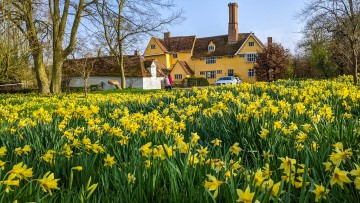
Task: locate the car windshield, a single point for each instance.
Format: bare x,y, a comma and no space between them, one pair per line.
225,78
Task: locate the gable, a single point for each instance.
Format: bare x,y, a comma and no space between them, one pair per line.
246,48
154,47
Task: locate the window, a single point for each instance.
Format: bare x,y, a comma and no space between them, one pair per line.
230,57
219,72
231,72
251,44
211,48
210,60
211,74
242,55
153,46
251,73
175,55
178,76
202,72
250,57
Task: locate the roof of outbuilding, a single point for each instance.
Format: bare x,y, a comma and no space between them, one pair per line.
185,67
134,66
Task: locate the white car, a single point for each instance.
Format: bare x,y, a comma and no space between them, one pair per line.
226,80
238,80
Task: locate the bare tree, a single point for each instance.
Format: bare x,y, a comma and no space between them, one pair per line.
14,56
124,20
339,18
59,17
26,16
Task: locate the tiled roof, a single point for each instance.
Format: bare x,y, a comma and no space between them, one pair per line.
178,44
186,67
222,47
134,66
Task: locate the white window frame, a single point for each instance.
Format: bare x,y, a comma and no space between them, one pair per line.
211,74
211,48
230,72
218,71
250,57
211,60
251,72
153,46
251,44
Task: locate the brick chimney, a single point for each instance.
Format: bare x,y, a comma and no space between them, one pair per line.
233,23
166,35
136,53
269,41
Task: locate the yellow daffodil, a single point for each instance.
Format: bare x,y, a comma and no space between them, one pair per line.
264,132
287,164
235,149
339,177
3,151
21,171
216,142
320,192
109,160
131,178
10,182
2,165
145,149
213,184
356,172
277,125
203,151
357,183
246,197
48,182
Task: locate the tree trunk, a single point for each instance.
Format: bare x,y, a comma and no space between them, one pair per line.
355,62
56,74
41,76
121,66
86,89
355,69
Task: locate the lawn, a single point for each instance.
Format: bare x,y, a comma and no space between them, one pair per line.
287,141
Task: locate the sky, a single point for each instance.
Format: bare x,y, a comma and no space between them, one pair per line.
275,18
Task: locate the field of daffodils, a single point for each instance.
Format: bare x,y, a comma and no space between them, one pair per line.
288,141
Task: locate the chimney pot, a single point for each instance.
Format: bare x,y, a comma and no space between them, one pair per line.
136,53
166,35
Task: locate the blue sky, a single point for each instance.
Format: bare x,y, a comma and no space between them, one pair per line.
265,18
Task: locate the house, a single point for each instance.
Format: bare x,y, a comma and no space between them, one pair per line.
139,73
210,57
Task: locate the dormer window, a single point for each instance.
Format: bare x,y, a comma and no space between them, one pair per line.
152,46
211,48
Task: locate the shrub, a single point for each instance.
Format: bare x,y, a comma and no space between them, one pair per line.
194,81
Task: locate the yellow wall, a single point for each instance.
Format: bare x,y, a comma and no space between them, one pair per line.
181,56
238,64
177,70
164,59
148,51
